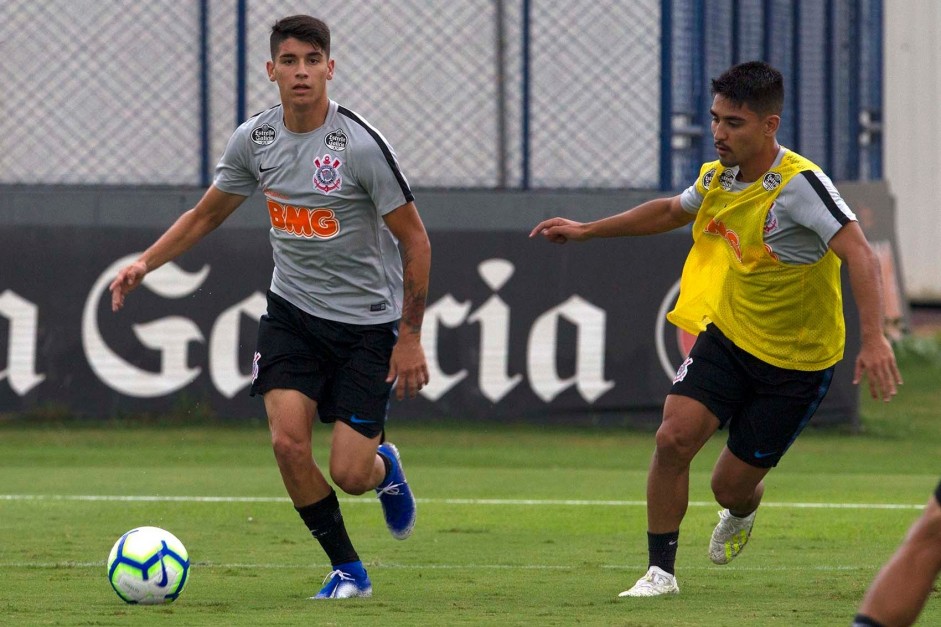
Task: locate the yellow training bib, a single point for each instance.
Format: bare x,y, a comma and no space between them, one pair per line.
790,316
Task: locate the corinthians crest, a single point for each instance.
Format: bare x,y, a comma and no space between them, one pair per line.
771,181
771,220
327,173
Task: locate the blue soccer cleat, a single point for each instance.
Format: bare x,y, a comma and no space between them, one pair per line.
346,581
398,503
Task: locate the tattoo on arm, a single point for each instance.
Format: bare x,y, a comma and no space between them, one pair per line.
415,294
413,307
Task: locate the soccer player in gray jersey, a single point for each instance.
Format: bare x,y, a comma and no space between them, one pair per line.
347,297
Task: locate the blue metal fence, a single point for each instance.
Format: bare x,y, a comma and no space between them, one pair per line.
830,54
829,51
205,157
481,93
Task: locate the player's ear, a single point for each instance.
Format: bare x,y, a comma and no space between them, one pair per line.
772,122
269,66
330,67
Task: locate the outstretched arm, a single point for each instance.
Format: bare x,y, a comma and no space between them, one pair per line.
408,363
212,209
876,358
654,216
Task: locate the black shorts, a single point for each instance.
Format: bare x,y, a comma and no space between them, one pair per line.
765,407
937,493
343,367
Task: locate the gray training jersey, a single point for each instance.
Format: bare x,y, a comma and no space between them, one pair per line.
805,215
326,192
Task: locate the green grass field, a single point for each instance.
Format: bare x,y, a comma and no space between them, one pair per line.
517,525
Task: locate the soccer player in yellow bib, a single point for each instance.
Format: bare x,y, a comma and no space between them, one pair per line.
761,290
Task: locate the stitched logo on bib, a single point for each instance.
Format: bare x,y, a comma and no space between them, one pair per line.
726,178
707,178
771,181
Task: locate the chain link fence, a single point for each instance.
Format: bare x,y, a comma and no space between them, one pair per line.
99,92
426,74
472,94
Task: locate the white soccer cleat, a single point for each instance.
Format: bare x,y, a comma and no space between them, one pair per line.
730,536
657,582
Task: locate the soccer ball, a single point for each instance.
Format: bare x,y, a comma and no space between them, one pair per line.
148,565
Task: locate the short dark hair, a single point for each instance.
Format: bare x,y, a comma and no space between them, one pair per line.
304,28
755,84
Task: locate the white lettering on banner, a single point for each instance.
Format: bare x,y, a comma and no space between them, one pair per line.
21,347
170,335
446,311
590,322
494,318
224,345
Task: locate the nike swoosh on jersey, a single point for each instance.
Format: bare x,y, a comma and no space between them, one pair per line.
264,169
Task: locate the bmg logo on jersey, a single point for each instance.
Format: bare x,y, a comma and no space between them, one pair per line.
320,223
327,173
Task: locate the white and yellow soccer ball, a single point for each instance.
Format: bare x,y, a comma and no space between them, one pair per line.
148,565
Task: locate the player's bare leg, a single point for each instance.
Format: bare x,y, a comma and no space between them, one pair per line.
290,418
738,487
354,465
359,464
687,425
